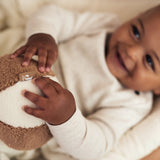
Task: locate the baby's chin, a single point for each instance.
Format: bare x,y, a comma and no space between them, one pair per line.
139,87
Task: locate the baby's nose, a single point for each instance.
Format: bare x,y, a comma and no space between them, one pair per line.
135,52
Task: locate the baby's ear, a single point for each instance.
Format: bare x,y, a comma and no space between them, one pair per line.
157,91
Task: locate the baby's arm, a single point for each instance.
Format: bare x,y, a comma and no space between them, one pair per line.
63,24
51,24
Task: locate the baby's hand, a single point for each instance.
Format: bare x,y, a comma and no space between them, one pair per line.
55,107
42,45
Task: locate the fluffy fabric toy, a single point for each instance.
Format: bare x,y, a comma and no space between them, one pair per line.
19,130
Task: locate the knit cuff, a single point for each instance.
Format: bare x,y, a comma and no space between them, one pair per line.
71,130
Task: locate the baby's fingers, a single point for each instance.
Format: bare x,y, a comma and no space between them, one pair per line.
29,53
18,52
36,99
42,57
51,58
34,111
46,87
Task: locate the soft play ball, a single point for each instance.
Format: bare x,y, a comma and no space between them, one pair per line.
18,130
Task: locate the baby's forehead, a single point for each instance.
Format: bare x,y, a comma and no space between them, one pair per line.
155,11
151,18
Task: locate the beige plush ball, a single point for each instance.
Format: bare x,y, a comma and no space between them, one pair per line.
18,130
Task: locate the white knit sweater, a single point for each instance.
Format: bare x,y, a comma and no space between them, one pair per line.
105,109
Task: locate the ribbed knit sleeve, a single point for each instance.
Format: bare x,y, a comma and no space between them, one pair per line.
82,138
63,24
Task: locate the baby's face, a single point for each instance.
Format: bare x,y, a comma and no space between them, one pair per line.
134,52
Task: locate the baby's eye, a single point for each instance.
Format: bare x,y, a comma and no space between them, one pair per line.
135,32
150,61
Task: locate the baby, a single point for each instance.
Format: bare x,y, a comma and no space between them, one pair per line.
107,76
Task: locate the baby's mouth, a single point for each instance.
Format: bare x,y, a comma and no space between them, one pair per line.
121,61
